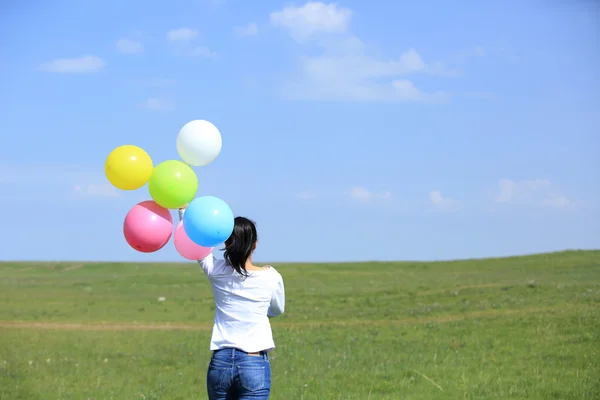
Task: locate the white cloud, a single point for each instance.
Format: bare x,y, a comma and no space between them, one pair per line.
364,195
202,51
440,201
157,104
346,68
405,90
355,76
246,30
183,40
536,192
82,65
96,190
312,18
128,46
182,34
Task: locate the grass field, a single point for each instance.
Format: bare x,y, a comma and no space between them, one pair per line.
516,328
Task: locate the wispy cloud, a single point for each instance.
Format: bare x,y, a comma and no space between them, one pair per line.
157,104
246,30
535,192
440,202
363,195
182,34
347,69
202,51
311,19
184,41
81,65
55,181
128,46
95,190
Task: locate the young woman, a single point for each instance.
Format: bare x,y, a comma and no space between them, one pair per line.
245,296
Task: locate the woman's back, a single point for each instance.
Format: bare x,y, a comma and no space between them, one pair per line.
244,305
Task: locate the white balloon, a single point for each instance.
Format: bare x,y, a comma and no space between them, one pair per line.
199,143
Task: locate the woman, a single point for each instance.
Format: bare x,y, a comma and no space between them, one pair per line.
245,296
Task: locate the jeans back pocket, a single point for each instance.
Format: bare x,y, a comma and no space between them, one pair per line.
216,377
253,378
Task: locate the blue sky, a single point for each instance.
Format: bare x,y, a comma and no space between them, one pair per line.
351,131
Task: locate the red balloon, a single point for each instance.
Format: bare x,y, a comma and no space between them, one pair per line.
148,227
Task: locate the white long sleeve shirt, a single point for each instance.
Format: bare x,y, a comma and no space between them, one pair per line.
243,305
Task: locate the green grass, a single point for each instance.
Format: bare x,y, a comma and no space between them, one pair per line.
515,328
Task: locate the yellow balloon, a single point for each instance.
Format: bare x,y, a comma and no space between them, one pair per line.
128,167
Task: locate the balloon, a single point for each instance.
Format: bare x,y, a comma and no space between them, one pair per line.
186,248
208,221
128,167
148,227
199,143
173,184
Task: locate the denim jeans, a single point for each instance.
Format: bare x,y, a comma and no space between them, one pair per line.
237,375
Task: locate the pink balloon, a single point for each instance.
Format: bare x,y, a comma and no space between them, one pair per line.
186,247
148,227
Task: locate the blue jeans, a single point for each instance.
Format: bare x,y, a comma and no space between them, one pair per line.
237,375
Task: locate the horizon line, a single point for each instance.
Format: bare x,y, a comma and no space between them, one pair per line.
315,262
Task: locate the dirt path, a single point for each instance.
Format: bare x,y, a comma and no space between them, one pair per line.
73,267
115,326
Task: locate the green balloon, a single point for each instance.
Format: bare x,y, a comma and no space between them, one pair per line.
173,184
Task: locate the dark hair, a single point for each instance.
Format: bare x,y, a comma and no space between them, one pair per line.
240,244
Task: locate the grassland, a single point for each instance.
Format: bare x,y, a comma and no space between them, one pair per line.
516,328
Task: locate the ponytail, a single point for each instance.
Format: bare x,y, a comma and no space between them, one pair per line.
240,245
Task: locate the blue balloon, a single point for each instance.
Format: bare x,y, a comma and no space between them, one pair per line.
208,221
